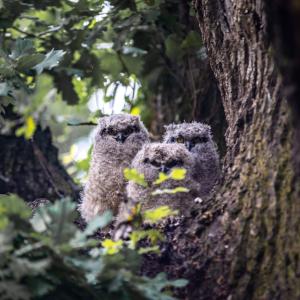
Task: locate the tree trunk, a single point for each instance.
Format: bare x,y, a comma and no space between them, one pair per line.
30,168
244,243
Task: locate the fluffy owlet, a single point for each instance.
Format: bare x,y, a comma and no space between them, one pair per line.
197,139
118,139
150,161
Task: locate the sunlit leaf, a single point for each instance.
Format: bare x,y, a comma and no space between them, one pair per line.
153,249
178,174
155,215
112,247
135,111
135,176
179,189
28,129
162,177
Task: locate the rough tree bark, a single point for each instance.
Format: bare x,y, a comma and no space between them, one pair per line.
30,168
244,243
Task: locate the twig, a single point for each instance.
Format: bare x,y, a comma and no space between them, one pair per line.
28,34
83,124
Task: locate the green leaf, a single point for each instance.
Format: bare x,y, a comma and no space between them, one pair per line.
178,189
27,62
145,250
98,222
172,50
179,283
133,64
111,63
151,234
162,177
133,175
13,205
162,212
28,129
51,60
57,220
178,174
7,71
192,41
112,247
21,48
4,89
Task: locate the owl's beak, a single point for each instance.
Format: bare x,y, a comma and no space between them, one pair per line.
120,137
189,145
164,169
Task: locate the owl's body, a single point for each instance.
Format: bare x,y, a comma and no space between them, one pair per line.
197,138
118,139
150,161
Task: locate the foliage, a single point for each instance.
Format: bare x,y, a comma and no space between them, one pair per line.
176,174
128,50
47,257
134,175
155,215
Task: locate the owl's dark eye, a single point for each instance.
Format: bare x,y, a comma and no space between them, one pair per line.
174,163
146,161
129,130
180,139
155,163
110,131
135,128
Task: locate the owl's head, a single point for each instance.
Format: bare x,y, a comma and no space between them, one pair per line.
195,136
121,131
157,157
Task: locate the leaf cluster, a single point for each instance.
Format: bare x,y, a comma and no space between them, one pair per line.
134,44
47,257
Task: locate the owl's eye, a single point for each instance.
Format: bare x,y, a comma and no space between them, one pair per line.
146,161
180,139
155,163
110,131
135,128
174,163
129,130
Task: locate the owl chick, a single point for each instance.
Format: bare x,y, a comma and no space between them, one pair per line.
118,139
197,138
150,161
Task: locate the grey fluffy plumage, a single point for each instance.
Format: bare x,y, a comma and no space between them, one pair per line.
150,161
112,152
197,138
